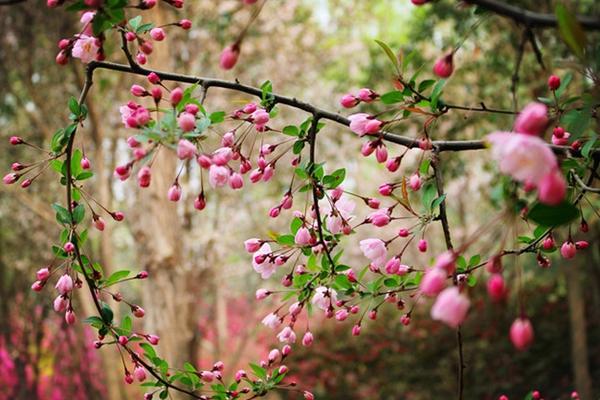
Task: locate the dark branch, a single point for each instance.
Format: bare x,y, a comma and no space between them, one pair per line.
439,145
530,18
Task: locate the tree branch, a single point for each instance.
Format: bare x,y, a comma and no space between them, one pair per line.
530,18
440,145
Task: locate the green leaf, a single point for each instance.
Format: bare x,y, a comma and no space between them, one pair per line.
286,240
74,106
437,202
258,371
564,83
295,225
116,276
78,213
390,54
291,130
553,215
424,167
570,30
62,215
426,84
107,314
587,147
335,179
217,117
135,22
298,146
392,97
127,324
84,175
435,94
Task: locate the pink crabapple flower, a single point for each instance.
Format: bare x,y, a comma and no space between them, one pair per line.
271,320
324,297
263,264
450,307
218,176
433,282
444,66
532,119
525,158
568,250
552,188
364,124
187,121
303,237
86,48
64,284
344,208
287,335
521,333
229,57
186,150
375,250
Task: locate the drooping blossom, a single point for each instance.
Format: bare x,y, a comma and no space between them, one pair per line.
266,267
186,150
324,297
218,176
287,335
375,250
450,307
521,333
344,208
444,66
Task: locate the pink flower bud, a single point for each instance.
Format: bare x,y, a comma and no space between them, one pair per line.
142,275
139,373
433,282
186,150
174,193
138,311
153,78
176,96
341,315
37,286
568,249
15,140
496,288
85,163
373,126
141,58
69,247
392,266
355,331
548,243
274,355
118,216
422,246
415,182
262,294
229,57
60,303
553,82
144,176
405,320
552,188
70,317
444,66
367,95
157,34
348,101
11,178
521,333
381,153
153,339
239,375
187,122
385,189
393,164
138,91
123,340
302,237
42,274
185,24
532,120
308,395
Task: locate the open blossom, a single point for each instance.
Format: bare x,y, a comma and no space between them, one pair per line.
86,48
218,176
450,307
433,282
271,320
552,188
524,157
134,115
324,297
343,212
287,335
375,250
265,267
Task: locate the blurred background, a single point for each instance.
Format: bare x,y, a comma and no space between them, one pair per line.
200,298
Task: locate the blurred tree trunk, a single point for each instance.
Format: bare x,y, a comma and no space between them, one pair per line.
579,347
169,293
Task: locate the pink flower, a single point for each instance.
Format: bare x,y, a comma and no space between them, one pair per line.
262,294
85,48
222,156
60,303
236,181
272,321
218,176
157,34
64,284
229,57
444,66
525,158
496,288
568,249
307,339
532,119
186,150
70,317
139,373
446,261
260,117
11,178
375,250
348,101
521,333
363,124
367,95
344,208
450,307
176,96
42,274
433,282
422,246
144,176
553,82
252,245
324,297
380,218
287,335
263,264
303,237
187,122
174,193
415,182
552,188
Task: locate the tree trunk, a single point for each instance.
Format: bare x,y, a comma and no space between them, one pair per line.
579,347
